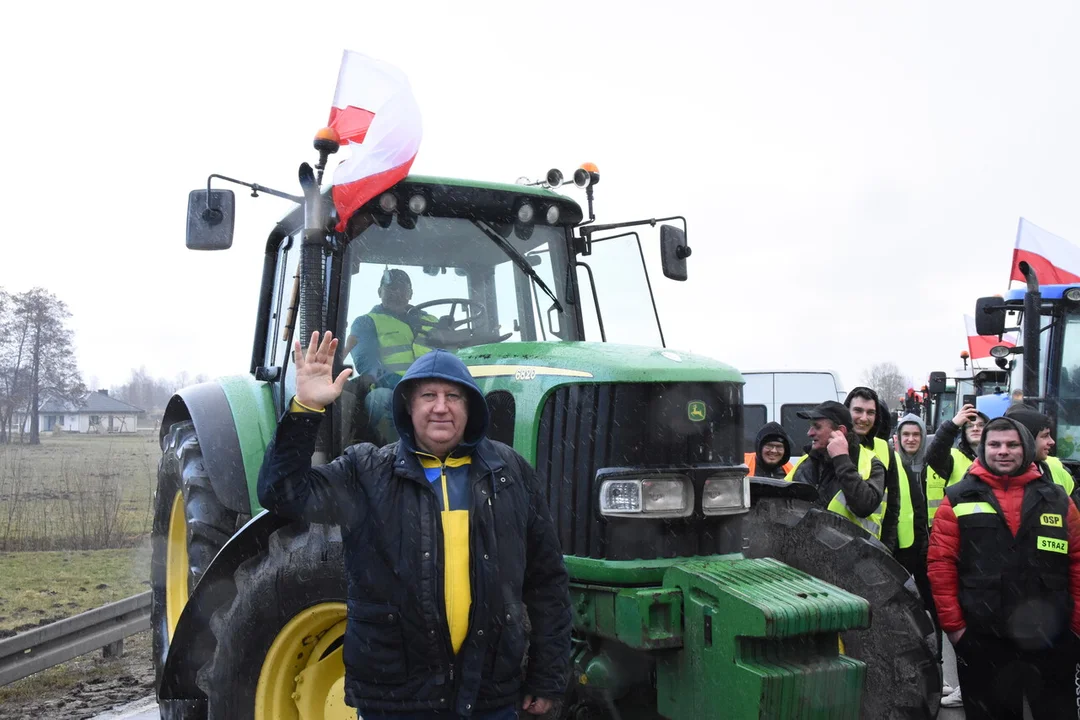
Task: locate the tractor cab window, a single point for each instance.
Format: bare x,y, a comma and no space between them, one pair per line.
1068,410
446,283
617,273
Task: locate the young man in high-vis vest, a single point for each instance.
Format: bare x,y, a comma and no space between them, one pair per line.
950,454
869,415
849,479
1004,565
1041,428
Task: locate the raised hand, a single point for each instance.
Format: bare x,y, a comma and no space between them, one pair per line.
315,386
966,414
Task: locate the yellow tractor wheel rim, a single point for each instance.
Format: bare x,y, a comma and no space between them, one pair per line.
176,564
301,679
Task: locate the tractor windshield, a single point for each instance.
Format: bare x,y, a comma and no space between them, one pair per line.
1068,410
446,283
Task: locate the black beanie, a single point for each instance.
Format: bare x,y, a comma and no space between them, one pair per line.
1029,417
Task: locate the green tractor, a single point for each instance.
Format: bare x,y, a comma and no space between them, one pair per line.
697,592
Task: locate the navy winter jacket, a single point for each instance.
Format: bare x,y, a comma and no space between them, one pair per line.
397,649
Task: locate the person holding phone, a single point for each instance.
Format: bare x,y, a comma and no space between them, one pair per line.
950,453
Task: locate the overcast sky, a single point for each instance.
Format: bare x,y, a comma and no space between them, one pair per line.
852,174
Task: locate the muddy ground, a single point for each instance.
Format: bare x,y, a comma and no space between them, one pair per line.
84,687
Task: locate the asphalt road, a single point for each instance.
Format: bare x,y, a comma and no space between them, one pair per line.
147,709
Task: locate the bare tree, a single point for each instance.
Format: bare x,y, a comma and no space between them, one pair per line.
45,352
890,384
14,336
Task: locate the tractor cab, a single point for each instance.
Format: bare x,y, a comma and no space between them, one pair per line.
1046,364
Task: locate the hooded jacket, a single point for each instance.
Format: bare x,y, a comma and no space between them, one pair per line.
772,431
915,467
398,650
948,435
1009,493
870,441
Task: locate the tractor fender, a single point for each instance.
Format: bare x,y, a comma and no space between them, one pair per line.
193,642
761,487
234,419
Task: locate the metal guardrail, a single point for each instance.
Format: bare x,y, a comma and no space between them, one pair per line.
35,650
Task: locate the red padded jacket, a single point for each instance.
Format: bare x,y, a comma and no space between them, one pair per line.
944,553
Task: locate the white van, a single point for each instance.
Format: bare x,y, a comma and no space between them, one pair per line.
776,396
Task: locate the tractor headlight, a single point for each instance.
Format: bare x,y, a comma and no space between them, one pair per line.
552,216
658,496
726,494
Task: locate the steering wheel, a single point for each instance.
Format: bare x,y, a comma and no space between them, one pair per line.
474,312
446,333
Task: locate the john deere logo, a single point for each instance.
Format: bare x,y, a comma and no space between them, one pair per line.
695,410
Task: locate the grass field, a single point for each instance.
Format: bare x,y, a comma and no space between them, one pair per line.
80,492
37,587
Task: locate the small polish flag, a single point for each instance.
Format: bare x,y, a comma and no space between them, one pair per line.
979,345
376,116
1056,261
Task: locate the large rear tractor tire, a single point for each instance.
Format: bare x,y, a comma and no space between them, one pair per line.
279,643
903,678
190,526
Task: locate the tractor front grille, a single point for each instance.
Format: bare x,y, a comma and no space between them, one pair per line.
584,428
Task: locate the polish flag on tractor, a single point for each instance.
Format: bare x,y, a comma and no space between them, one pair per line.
979,345
376,116
1056,261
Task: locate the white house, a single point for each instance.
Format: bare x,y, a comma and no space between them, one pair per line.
94,413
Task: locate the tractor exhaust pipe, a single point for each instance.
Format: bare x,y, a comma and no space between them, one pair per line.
1032,334
312,258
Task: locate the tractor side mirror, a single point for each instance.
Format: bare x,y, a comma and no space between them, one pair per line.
673,252
936,385
210,219
989,316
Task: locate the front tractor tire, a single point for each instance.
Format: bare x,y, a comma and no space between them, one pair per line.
903,678
279,643
190,526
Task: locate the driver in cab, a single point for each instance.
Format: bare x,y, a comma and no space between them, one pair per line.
386,341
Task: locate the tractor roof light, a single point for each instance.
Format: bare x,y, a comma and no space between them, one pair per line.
417,204
525,213
964,355
1073,294
552,214
1001,351
554,178
327,140
388,202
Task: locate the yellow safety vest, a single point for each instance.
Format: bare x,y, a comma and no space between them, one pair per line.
882,451
905,528
1061,475
838,504
935,484
398,348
